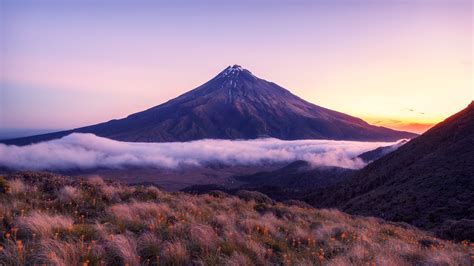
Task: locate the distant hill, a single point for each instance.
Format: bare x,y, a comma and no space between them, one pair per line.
297,176
233,105
428,182
375,154
290,182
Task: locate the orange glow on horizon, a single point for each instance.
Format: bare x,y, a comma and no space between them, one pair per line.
404,66
410,126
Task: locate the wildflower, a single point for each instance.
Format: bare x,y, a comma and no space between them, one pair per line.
14,231
343,235
321,256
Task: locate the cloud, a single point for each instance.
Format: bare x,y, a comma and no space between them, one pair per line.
413,111
87,151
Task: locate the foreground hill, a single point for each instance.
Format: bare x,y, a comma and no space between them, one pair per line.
428,182
54,220
233,105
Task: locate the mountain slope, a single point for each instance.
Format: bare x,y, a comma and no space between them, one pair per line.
379,152
297,176
234,105
428,182
290,182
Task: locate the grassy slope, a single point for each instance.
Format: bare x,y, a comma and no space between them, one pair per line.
59,220
428,182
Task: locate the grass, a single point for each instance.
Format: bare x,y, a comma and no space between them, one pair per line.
54,220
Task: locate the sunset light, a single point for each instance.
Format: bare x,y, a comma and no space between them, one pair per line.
236,132
374,61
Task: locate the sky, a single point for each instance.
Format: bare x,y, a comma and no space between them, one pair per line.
396,63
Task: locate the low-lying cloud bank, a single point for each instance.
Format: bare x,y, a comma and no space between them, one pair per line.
87,151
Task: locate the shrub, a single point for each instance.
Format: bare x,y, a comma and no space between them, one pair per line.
122,249
238,259
4,185
69,194
175,252
56,252
149,246
17,186
255,196
203,235
44,225
96,181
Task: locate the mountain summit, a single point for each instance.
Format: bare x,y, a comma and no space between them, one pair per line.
233,105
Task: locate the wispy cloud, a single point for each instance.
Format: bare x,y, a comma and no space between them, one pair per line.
411,110
87,151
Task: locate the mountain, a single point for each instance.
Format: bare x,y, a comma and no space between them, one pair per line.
233,105
428,182
290,182
379,152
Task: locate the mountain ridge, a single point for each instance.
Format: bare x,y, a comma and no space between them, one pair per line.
428,182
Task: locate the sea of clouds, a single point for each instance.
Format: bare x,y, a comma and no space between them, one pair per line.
87,151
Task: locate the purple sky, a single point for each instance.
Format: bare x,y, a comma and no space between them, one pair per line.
71,63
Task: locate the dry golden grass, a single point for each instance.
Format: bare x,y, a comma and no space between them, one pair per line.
65,221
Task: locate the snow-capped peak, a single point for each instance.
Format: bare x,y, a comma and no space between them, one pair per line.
236,68
234,71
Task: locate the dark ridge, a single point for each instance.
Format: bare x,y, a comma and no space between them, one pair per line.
428,182
379,152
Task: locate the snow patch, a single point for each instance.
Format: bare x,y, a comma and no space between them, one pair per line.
232,71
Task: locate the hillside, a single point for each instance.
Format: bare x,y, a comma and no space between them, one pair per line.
233,105
297,176
428,182
379,152
50,219
290,182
